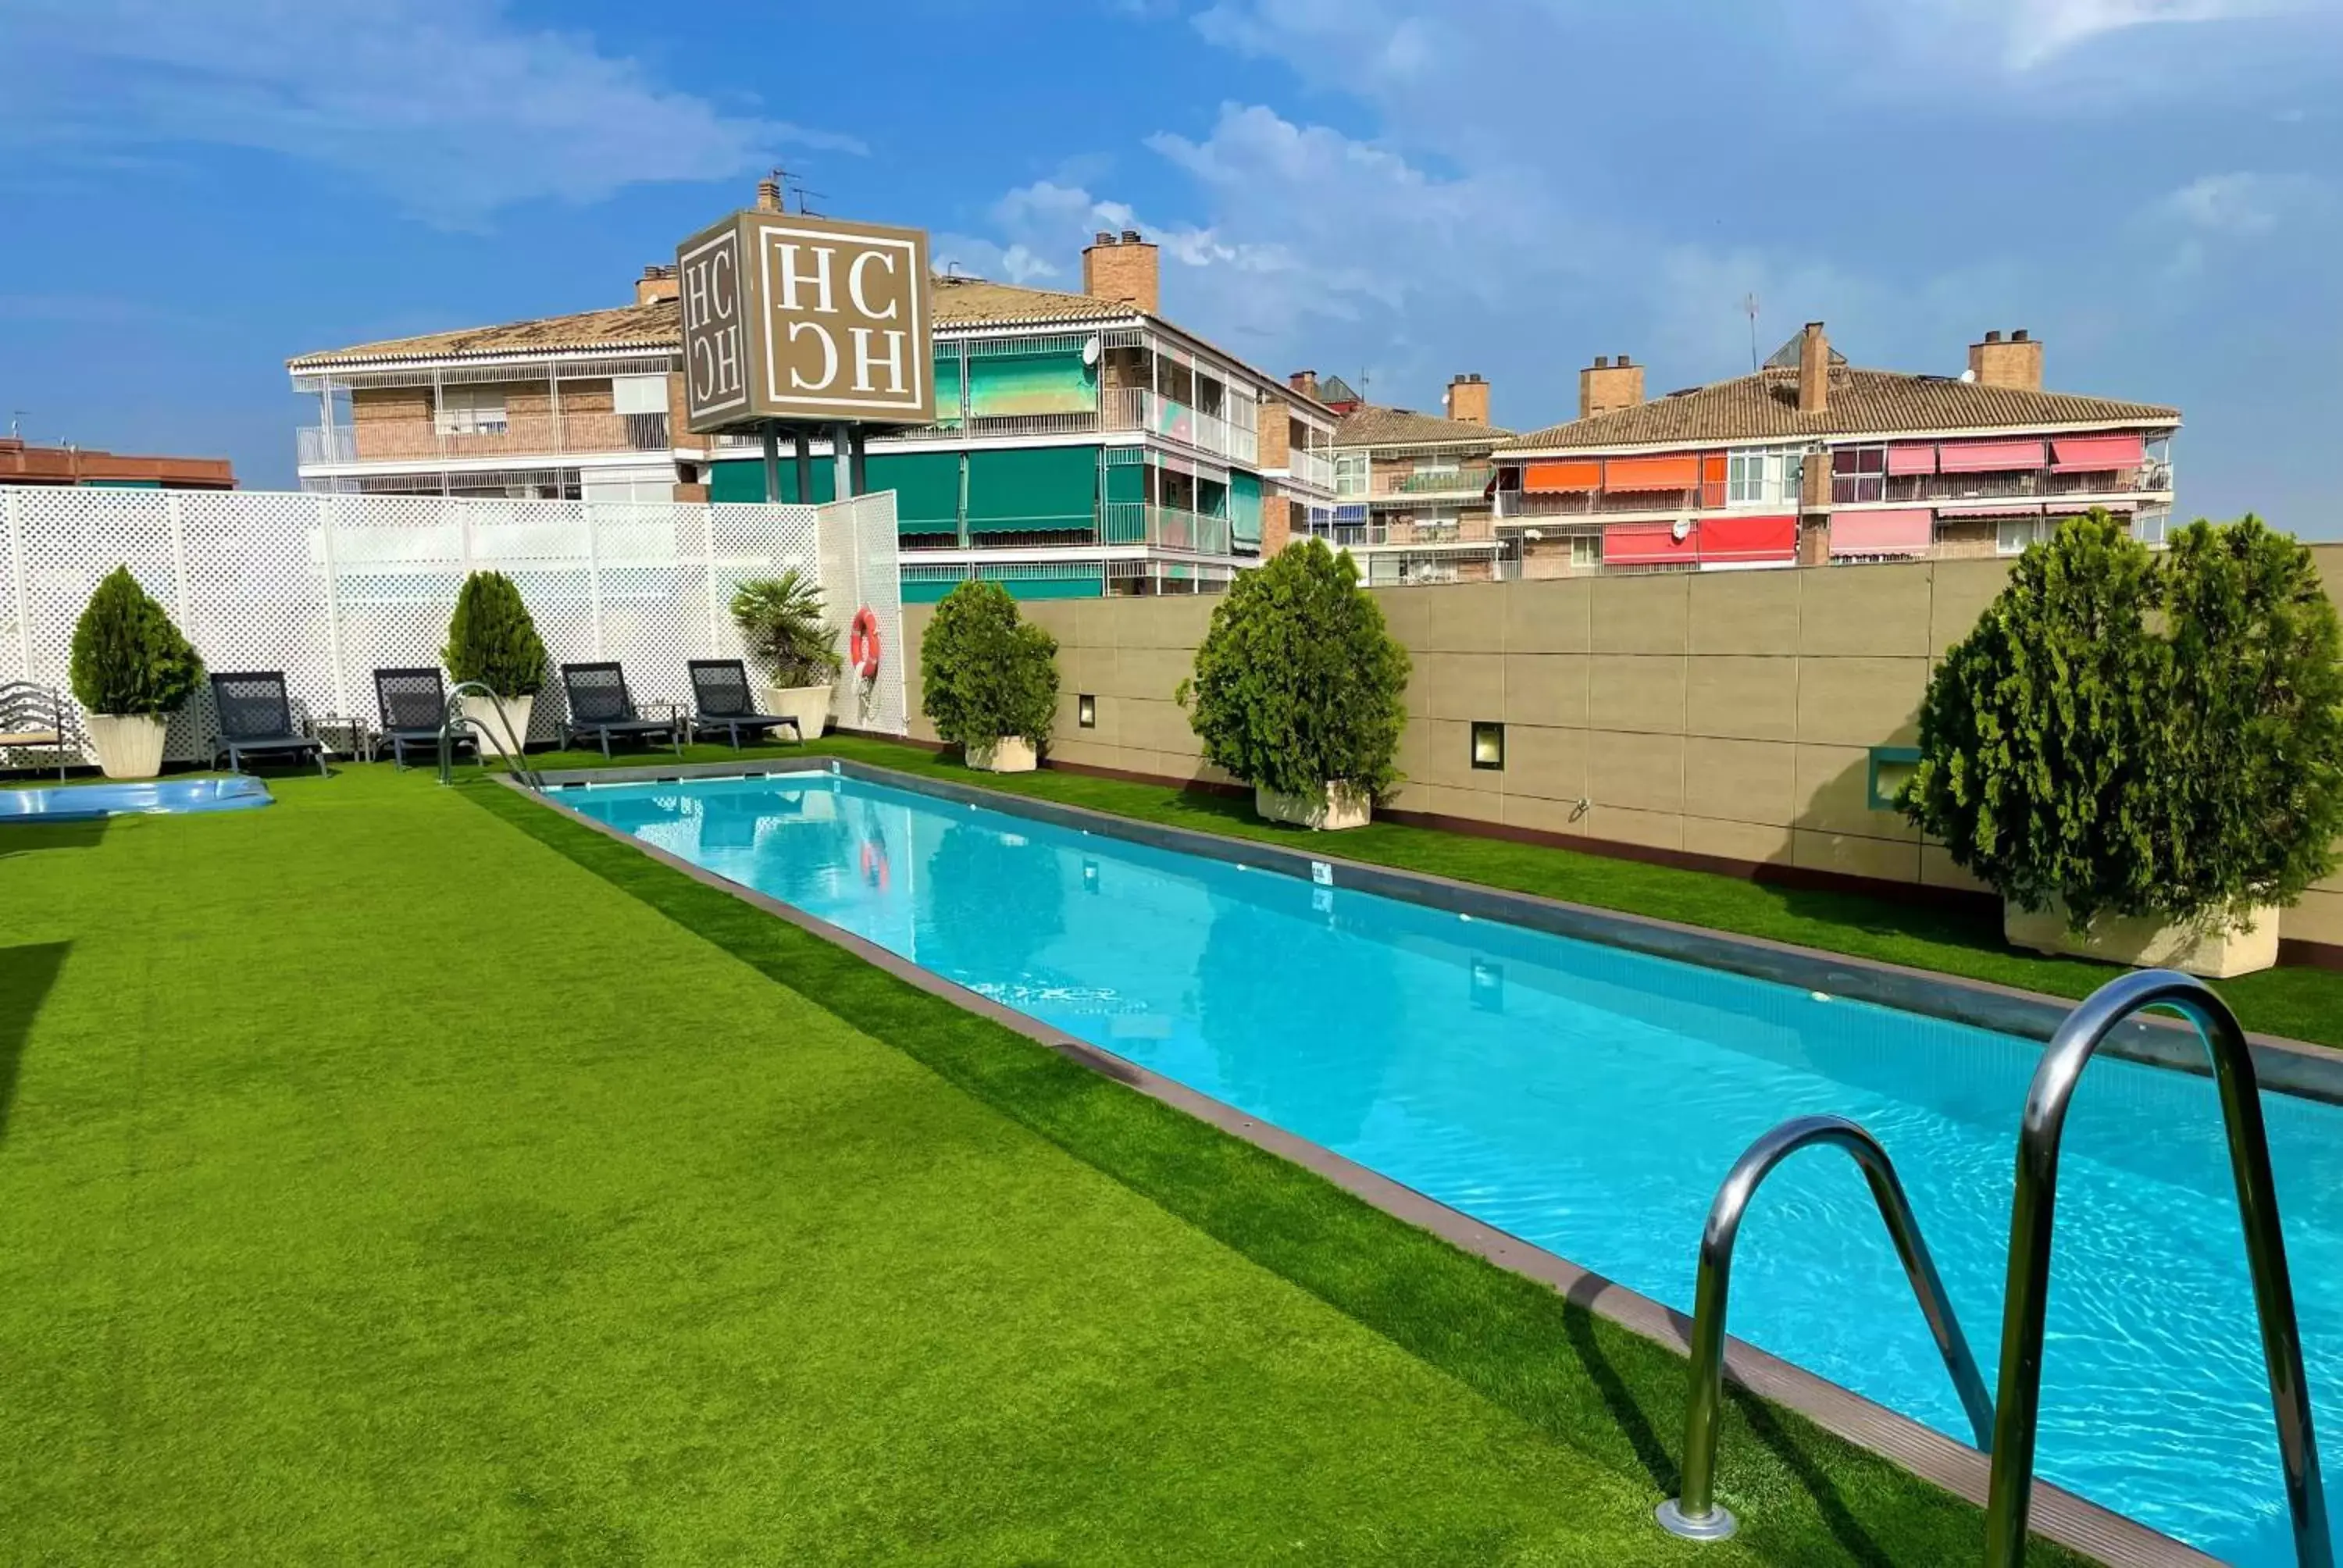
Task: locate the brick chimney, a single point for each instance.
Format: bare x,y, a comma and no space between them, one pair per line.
656,284
1125,267
1468,399
2015,362
1305,382
1607,386
768,195
1813,370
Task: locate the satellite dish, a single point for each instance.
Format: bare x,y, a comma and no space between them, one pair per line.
1680,529
1532,533
1970,375
1090,351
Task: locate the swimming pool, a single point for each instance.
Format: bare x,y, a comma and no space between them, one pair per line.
83,802
1589,1098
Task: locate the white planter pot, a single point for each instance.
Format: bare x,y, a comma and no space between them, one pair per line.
1330,810
1010,754
808,705
2143,942
509,729
128,745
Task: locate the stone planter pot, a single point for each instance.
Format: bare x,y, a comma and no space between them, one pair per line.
1332,810
1010,754
2143,942
128,745
510,728
808,705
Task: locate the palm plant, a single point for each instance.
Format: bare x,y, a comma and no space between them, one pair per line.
781,619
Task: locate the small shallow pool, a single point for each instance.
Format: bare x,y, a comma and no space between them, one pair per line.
83,802
1589,1100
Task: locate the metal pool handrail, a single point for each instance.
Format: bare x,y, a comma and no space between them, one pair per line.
1695,1514
2028,1300
522,773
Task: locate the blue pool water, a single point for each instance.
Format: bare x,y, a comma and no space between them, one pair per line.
1589,1100
80,802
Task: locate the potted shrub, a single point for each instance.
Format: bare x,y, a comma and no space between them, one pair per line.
791,645
2140,755
132,669
491,639
989,680
1301,690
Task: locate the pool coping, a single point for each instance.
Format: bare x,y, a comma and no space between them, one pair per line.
2057,1515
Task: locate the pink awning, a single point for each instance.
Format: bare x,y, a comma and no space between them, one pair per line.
1988,456
1906,532
1646,544
1920,458
2097,454
1726,538
1993,509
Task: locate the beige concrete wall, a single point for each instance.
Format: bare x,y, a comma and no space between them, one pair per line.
1725,714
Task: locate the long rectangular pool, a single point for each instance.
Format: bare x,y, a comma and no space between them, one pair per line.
1588,1100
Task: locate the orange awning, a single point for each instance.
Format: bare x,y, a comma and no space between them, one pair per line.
1653,473
1580,475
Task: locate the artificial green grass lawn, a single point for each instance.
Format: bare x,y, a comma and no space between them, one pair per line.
401,1173
2297,1001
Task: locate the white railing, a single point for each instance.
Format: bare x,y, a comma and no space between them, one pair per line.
1170,528
513,436
329,588
1314,470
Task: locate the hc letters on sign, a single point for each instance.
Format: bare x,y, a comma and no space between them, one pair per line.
790,318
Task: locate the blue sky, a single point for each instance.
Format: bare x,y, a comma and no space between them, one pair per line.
1397,188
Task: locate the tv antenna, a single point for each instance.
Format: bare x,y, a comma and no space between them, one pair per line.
1749,305
17,423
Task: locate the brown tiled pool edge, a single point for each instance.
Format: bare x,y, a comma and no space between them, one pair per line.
2057,1515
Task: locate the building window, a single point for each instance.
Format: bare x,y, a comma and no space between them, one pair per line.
1585,551
1441,526
2014,534
470,408
2148,527
1489,746
1435,468
1350,473
1859,473
1086,711
1762,476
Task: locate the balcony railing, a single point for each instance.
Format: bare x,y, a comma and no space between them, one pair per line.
1170,528
2038,482
1466,479
1314,470
480,435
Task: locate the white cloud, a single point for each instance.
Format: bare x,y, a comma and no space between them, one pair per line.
2241,206
450,108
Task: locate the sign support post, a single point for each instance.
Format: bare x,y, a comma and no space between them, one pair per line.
771,432
803,446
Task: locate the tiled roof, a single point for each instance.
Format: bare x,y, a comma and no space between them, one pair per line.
953,301
1372,425
1862,402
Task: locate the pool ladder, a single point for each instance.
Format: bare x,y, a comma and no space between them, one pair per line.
2006,1426
514,756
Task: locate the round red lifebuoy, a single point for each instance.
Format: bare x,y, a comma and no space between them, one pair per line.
862,643
874,865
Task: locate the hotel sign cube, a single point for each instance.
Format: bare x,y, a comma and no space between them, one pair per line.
804,320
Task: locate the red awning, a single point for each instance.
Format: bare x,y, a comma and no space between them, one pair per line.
1653,473
1731,539
1993,509
1580,475
2097,454
1919,458
1988,456
1906,532
1646,544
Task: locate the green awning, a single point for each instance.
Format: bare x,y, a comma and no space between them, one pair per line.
1005,384
948,363
1126,482
926,486
745,481
1032,489
1244,508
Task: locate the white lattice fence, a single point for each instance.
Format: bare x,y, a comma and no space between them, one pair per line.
329,588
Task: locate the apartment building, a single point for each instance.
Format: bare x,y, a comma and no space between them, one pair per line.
24,464
1412,492
1083,445
1812,458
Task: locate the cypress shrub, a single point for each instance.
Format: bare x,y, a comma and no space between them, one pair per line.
129,657
1299,684
2132,735
984,673
491,638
